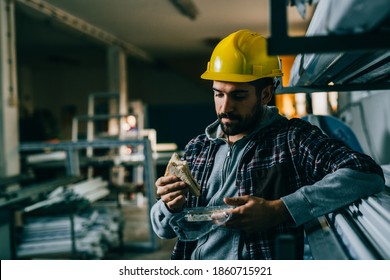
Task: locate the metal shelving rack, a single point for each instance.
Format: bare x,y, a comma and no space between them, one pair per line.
72,165
280,43
13,201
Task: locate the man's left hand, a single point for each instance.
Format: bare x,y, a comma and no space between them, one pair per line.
252,214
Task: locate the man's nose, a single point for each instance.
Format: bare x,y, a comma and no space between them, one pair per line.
227,105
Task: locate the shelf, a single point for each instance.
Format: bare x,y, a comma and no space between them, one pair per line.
346,47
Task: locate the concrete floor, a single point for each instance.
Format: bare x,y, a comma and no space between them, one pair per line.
136,239
163,253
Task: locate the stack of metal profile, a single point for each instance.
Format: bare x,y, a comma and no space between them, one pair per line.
86,233
386,172
360,231
51,236
364,228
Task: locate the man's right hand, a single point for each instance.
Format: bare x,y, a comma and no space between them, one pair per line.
172,192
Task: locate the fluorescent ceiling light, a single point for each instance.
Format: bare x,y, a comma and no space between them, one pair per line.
186,7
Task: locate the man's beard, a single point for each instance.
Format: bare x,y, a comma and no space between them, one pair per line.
241,125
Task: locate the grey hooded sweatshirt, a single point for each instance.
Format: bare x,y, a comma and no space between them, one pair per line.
226,243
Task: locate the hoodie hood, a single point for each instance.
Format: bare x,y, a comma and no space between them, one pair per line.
269,116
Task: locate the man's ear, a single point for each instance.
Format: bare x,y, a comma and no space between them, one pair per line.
266,94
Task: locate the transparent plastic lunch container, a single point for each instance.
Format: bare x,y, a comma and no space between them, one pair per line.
194,223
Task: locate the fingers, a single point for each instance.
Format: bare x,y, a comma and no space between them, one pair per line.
171,196
237,211
251,214
220,218
165,180
168,184
176,204
236,201
172,192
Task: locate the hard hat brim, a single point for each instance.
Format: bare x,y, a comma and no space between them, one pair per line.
228,77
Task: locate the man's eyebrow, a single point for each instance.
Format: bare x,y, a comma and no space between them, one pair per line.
234,91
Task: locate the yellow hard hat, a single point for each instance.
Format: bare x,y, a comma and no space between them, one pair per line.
242,57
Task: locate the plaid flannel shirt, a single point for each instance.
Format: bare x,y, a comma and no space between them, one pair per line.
277,161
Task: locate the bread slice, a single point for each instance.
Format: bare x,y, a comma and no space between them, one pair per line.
180,169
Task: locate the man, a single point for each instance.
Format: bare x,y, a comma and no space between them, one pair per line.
277,173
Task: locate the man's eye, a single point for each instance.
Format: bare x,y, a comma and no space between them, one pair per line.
239,97
218,94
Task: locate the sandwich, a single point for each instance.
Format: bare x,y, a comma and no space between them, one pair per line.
180,169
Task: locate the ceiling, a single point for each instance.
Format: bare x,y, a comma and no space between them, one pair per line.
156,26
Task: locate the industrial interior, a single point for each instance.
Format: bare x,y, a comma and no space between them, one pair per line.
97,95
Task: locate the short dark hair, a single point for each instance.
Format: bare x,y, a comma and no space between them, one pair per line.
260,84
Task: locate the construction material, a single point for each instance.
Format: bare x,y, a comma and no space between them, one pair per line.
61,225
96,231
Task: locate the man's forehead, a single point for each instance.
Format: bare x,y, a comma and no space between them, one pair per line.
231,86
